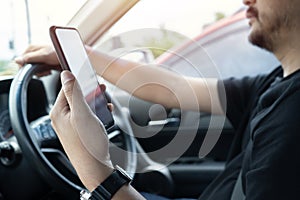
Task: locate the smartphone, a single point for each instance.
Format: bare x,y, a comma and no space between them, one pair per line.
73,56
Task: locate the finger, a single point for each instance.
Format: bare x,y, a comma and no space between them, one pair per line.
67,81
44,73
33,57
103,87
45,55
20,61
110,107
61,106
103,90
45,69
31,48
73,93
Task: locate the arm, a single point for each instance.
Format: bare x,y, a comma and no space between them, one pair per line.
148,82
90,159
158,85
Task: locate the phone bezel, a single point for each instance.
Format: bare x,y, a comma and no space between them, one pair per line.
64,64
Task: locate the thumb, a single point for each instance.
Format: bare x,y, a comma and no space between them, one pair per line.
68,85
73,94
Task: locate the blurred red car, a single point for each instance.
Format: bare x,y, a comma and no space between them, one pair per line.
225,43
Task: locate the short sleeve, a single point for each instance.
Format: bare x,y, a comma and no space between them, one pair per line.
236,95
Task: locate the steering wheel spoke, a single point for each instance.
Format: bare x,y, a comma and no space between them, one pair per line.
113,134
60,156
44,133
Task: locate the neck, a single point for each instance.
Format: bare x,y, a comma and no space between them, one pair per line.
289,55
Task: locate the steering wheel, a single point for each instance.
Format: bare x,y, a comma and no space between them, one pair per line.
40,145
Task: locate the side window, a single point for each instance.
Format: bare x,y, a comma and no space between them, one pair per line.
224,53
12,42
152,27
235,56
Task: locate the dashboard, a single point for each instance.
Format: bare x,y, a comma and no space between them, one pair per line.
37,105
15,175
5,125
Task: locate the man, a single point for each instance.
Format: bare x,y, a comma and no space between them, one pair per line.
265,110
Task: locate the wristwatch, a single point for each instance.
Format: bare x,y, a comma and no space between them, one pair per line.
107,189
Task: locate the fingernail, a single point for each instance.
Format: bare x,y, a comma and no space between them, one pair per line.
66,76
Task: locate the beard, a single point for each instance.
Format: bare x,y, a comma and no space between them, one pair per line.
261,39
267,29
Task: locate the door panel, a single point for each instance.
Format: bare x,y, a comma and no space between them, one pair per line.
190,173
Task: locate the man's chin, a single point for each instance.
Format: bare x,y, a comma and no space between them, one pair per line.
259,39
252,37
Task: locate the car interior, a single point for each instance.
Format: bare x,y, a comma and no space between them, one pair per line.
164,149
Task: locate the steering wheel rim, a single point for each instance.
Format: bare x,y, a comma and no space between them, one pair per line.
30,147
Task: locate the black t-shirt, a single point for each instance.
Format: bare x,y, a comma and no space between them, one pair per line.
265,112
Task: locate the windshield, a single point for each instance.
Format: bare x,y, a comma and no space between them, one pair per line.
27,22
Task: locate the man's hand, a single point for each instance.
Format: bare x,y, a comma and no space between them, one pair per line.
38,54
82,135
41,54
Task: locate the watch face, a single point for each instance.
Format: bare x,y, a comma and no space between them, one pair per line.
123,172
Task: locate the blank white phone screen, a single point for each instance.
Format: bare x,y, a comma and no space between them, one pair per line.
79,63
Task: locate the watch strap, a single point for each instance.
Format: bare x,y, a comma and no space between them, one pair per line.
111,185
